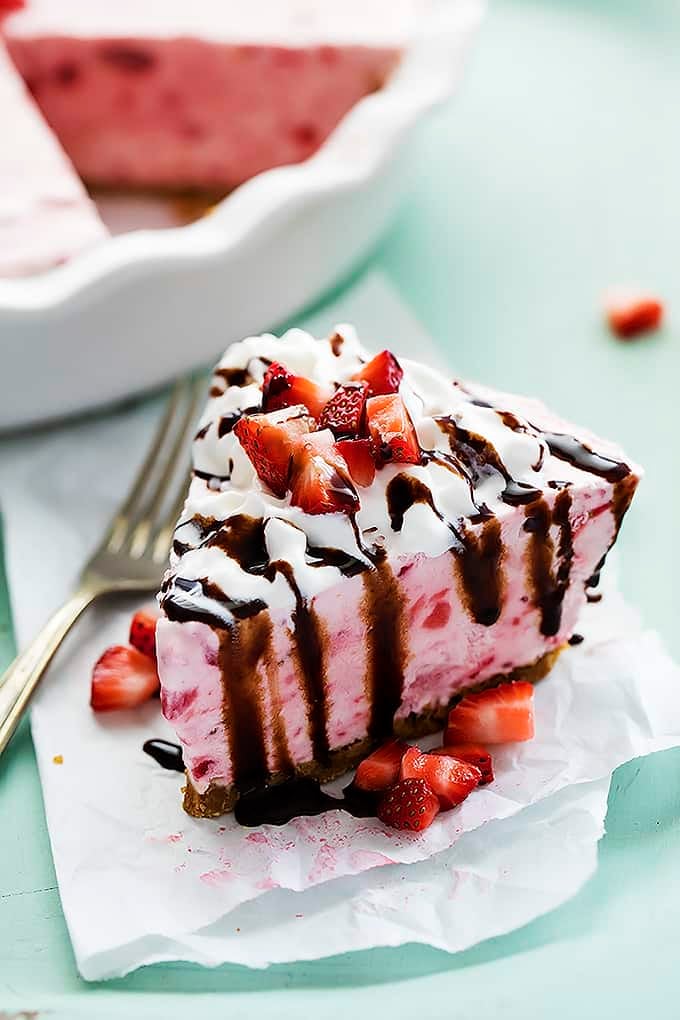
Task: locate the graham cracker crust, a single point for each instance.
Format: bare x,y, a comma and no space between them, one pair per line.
219,800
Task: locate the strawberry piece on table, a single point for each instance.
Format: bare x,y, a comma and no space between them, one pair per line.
499,715
344,412
391,430
473,754
358,455
383,373
320,479
143,632
450,779
409,804
269,441
122,678
631,313
280,388
381,769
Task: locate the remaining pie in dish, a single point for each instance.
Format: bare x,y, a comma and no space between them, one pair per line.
177,95
363,541
45,213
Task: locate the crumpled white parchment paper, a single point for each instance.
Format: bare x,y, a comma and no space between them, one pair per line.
141,882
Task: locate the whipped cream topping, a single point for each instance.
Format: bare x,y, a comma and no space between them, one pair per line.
515,453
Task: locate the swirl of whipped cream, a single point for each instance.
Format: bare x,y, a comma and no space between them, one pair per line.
226,483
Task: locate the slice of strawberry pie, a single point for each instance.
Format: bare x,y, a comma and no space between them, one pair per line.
363,542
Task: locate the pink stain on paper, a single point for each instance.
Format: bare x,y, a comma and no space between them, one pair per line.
362,860
265,884
216,877
324,864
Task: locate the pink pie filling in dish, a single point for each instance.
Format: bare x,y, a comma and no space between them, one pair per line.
202,95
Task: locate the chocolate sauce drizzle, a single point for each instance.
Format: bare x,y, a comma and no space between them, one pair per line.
404,491
300,796
309,637
242,650
167,755
580,456
548,585
478,458
234,376
480,570
187,599
386,651
225,425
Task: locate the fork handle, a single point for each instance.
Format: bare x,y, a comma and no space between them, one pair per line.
21,679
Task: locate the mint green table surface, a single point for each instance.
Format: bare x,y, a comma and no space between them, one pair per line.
555,174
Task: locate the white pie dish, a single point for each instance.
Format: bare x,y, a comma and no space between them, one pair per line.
145,306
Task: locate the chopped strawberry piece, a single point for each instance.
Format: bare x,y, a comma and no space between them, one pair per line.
358,455
383,373
320,479
451,779
269,440
280,388
143,632
11,5
122,678
344,412
381,769
409,804
473,754
497,716
631,313
391,430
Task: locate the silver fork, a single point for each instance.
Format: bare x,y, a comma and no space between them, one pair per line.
131,556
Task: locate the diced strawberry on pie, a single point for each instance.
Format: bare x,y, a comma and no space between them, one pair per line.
383,373
280,388
122,678
344,412
451,779
358,455
630,313
320,479
381,769
269,440
143,632
391,430
499,715
409,804
473,754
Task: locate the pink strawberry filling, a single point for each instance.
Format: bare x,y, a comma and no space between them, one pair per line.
438,661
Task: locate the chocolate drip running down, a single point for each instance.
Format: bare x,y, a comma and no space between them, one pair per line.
479,566
242,538
404,491
386,648
244,650
549,585
478,558
310,640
